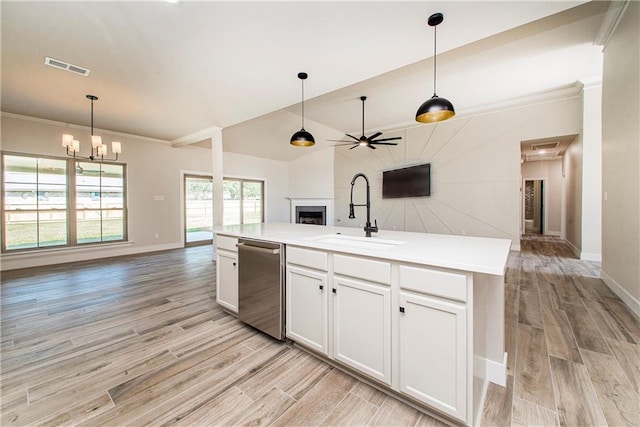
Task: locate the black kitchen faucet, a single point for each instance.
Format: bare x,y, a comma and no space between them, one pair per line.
368,228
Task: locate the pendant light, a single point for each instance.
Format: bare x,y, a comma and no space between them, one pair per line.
302,138
435,109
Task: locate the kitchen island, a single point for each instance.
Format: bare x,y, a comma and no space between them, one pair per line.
416,314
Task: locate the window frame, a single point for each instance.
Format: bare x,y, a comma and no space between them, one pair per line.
71,205
262,196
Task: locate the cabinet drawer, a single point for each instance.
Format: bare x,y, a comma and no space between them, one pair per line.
434,282
362,268
308,258
227,243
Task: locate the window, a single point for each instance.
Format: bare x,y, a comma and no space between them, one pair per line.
99,202
243,201
50,202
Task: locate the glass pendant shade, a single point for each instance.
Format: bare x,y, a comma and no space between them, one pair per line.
302,138
435,109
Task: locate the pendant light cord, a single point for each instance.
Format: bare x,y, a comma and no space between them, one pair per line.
435,31
92,119
302,81
363,116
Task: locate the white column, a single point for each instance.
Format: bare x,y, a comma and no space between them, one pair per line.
218,175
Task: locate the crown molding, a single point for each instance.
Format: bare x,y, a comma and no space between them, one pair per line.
79,127
610,21
565,92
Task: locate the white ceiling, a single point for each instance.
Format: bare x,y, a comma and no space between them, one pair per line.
170,71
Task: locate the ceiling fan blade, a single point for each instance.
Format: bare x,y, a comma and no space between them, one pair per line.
374,136
354,146
383,143
371,146
344,145
387,139
351,136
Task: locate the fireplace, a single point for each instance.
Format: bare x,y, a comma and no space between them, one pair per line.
312,211
311,215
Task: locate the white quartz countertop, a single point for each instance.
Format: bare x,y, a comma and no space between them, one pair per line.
474,254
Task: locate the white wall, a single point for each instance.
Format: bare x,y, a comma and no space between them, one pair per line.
551,172
311,176
621,159
274,173
591,249
153,169
572,166
475,171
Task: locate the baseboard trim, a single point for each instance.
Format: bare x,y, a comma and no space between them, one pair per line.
553,233
624,295
575,250
586,256
497,372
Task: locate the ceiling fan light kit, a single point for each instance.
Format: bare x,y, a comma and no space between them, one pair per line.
435,109
367,141
302,138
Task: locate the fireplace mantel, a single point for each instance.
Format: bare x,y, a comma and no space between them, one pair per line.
303,201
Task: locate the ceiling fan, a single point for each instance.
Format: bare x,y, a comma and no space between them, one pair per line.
367,141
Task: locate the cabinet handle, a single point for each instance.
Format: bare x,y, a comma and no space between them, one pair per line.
401,309
334,290
234,264
321,287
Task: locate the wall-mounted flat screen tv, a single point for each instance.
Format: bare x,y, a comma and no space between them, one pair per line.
412,181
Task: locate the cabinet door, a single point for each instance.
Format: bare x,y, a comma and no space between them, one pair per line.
227,280
433,352
307,308
362,327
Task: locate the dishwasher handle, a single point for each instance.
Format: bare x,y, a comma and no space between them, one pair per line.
244,246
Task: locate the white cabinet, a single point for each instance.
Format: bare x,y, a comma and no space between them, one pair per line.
307,318
401,325
362,327
433,351
307,289
227,273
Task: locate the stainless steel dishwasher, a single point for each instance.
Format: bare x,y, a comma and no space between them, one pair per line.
261,285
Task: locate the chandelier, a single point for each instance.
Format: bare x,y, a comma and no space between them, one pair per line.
98,149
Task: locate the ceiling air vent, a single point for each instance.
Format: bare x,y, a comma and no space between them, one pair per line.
545,146
549,155
61,65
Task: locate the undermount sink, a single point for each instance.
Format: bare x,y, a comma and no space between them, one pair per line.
357,242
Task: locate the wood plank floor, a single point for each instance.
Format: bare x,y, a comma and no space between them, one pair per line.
140,341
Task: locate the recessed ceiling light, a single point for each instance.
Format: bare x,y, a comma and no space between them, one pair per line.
173,1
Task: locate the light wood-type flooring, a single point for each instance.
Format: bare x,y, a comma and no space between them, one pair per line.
140,341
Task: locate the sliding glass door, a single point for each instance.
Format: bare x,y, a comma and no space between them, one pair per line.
198,210
243,201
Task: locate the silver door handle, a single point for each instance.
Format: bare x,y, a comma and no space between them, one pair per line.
244,246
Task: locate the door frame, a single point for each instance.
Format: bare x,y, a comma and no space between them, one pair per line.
545,200
183,206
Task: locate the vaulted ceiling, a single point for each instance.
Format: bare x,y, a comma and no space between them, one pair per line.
170,71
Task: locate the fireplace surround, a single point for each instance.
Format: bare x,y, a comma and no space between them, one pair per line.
312,211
